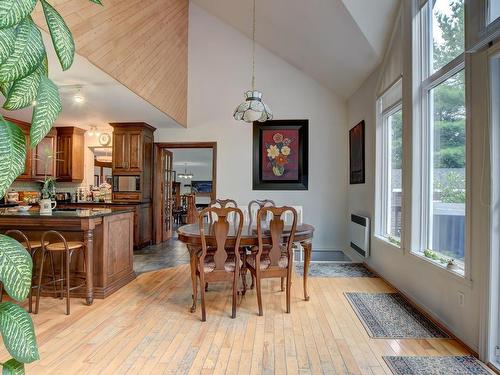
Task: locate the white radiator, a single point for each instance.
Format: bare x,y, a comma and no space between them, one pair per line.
359,229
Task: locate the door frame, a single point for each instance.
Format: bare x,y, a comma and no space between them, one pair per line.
158,177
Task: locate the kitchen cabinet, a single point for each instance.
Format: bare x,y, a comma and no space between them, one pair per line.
41,160
70,154
133,156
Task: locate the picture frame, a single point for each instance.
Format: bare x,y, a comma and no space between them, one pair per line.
357,154
280,155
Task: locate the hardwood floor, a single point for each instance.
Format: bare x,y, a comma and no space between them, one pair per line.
145,328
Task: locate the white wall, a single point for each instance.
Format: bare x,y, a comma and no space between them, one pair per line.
433,288
219,73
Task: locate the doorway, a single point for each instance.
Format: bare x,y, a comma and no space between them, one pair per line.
185,175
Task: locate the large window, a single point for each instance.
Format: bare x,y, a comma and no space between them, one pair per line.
493,10
443,134
389,168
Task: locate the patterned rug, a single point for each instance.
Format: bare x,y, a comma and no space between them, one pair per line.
335,270
389,315
460,365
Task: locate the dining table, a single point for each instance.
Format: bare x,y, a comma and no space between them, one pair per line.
190,235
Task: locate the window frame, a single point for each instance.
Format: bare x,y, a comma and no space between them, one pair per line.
384,169
425,81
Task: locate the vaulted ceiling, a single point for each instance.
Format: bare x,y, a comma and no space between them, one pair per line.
337,42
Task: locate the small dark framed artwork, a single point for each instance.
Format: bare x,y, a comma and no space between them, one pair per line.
280,155
357,154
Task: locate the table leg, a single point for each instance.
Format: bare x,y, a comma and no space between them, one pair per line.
193,252
89,259
307,260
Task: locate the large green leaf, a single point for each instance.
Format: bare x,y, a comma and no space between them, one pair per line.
12,154
13,11
15,268
60,34
13,367
48,106
27,54
5,88
18,332
7,38
25,90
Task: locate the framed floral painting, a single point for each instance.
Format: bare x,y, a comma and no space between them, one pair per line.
280,155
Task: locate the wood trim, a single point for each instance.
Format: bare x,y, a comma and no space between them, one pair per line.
424,312
493,368
157,208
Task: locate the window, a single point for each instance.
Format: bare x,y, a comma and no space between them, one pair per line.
493,10
443,134
389,170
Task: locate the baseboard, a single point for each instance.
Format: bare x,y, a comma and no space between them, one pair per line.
425,313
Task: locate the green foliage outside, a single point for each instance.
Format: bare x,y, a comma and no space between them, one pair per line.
23,82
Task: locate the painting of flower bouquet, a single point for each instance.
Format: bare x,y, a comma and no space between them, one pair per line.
280,155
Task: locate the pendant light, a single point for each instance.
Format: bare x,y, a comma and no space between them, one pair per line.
185,174
253,108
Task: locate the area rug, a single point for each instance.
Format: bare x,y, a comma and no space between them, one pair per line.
463,365
335,270
389,315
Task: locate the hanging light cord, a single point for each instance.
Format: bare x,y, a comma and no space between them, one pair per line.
253,49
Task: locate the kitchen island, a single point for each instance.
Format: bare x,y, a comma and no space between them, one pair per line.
108,237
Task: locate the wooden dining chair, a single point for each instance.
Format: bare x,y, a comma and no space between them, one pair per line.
223,262
222,203
273,259
253,207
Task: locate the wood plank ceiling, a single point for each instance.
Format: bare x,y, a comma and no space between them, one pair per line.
140,43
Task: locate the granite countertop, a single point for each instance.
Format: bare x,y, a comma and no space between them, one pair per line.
99,203
77,213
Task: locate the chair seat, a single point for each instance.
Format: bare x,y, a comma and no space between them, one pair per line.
59,246
229,265
265,261
34,244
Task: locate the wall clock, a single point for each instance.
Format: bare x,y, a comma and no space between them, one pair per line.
104,139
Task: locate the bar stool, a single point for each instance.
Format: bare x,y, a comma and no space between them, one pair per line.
32,247
66,249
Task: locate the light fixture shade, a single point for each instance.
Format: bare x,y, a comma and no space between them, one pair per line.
253,108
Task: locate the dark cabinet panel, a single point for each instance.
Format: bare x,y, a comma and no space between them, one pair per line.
43,161
70,154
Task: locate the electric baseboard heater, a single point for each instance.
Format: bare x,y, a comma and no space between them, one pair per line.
360,234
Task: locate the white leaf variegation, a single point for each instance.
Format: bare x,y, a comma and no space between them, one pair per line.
14,11
15,268
48,106
12,154
96,2
7,38
27,53
24,91
18,332
60,34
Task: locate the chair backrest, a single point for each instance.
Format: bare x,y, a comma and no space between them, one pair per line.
220,230
17,234
254,206
223,203
276,232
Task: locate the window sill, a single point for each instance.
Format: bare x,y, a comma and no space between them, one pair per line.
386,241
458,275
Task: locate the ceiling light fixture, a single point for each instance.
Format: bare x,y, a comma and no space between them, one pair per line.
185,175
78,97
253,108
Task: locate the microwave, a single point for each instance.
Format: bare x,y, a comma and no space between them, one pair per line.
126,183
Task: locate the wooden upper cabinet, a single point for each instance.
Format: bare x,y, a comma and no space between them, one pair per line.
132,146
43,160
70,154
133,156
25,128
135,146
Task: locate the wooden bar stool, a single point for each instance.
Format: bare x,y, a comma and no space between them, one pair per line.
66,249
32,247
